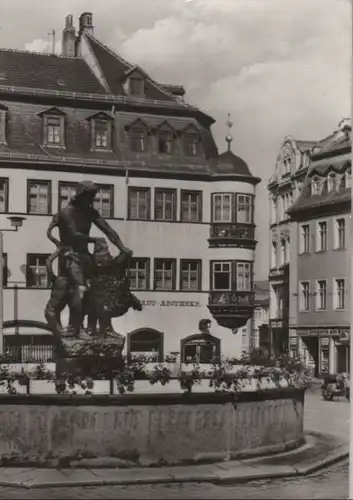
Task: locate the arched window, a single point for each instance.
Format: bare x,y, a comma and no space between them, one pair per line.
200,348
146,341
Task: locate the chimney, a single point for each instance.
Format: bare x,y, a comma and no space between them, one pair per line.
69,38
86,23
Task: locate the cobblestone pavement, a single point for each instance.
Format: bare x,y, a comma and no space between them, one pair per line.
332,483
328,484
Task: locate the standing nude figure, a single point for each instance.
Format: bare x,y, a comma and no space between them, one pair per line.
74,223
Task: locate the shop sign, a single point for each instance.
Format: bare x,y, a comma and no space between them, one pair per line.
325,332
170,303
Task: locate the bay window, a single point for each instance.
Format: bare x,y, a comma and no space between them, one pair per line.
222,207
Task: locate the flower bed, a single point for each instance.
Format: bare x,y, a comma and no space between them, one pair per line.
141,375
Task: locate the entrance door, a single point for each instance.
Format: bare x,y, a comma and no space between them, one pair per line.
342,358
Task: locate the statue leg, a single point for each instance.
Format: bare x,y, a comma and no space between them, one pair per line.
77,302
55,305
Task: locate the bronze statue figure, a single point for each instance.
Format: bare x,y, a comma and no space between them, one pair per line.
76,264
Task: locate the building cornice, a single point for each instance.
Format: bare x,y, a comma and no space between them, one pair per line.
113,167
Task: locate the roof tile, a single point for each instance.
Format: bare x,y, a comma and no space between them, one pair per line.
47,71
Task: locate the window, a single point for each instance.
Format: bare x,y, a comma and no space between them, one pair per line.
273,255
278,301
222,207
66,192
37,271
305,238
139,274
304,296
136,86
4,195
164,274
200,349
340,233
339,293
244,277
244,209
316,186
145,342
332,183
221,276
138,139
165,142
191,206
190,275
103,201
273,210
284,252
54,131
102,133
139,203
191,143
39,197
165,204
348,179
321,295
321,243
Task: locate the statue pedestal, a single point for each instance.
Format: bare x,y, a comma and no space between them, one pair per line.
96,358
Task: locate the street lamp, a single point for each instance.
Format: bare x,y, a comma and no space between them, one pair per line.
16,223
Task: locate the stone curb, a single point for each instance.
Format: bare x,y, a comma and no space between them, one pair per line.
242,472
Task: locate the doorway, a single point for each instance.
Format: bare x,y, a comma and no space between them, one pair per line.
342,358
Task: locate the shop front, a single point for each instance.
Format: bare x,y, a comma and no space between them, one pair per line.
329,348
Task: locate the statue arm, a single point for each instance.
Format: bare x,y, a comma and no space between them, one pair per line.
109,232
52,225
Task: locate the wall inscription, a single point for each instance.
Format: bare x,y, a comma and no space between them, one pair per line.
170,303
171,433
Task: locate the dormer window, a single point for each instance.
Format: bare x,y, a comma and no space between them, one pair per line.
3,112
165,142
138,140
101,134
53,128
101,131
332,183
316,186
136,86
191,144
348,179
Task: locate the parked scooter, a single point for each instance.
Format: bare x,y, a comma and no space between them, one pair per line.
336,386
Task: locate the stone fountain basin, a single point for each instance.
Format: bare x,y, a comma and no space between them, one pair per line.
148,429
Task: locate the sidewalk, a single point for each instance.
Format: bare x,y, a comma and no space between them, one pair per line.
319,451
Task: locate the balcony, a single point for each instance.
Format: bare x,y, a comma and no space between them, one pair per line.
228,234
231,309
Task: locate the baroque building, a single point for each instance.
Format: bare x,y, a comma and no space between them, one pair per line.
284,188
185,210
320,265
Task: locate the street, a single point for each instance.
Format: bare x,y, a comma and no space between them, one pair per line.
320,416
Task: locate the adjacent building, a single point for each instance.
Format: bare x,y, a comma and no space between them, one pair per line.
284,188
185,210
260,323
320,299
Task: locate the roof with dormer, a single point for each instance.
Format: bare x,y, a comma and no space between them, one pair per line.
338,161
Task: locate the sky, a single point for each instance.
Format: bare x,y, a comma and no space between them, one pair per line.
280,67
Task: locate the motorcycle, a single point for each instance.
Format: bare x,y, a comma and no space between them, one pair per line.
335,386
